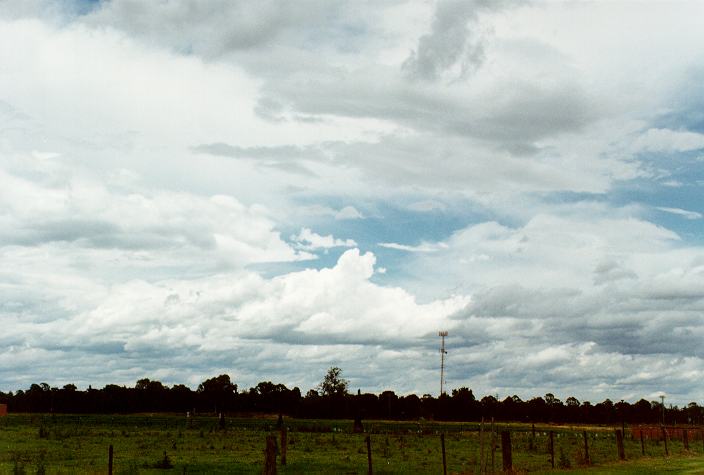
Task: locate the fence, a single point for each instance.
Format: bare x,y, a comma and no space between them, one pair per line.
207,444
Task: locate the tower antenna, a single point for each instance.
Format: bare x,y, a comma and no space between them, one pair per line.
442,335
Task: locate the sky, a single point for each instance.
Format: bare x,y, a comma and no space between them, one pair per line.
268,189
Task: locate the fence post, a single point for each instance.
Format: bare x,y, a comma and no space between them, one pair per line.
110,460
369,454
586,449
444,460
270,456
664,436
506,458
481,446
642,443
552,449
284,442
619,445
685,438
493,444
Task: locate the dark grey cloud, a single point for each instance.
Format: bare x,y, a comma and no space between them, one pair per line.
452,41
274,152
511,116
218,28
286,158
106,235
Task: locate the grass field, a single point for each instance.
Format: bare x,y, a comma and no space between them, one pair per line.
69,444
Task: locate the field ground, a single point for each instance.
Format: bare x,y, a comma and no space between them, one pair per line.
71,444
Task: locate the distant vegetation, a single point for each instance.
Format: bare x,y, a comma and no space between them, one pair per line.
331,399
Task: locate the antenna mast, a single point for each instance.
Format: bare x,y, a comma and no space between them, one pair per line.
442,335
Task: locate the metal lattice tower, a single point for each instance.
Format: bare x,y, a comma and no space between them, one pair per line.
442,335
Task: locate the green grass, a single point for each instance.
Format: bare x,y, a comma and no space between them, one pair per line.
685,464
69,444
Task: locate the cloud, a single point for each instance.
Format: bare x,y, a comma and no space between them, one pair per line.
278,152
511,113
545,275
309,241
342,214
287,158
84,214
451,43
571,282
666,140
425,247
308,318
427,206
681,212
348,212
152,156
210,29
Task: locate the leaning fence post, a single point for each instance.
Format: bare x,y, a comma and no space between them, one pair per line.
552,449
506,458
619,444
110,460
586,449
270,455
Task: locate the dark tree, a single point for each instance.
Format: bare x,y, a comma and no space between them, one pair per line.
333,384
218,391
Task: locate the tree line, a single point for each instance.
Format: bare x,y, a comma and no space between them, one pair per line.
331,399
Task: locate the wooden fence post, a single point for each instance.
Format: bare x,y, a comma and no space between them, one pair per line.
493,444
369,454
507,461
270,456
481,446
284,442
110,460
619,444
444,460
552,449
586,449
685,438
642,443
664,436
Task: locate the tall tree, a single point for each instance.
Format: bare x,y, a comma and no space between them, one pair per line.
333,384
218,391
